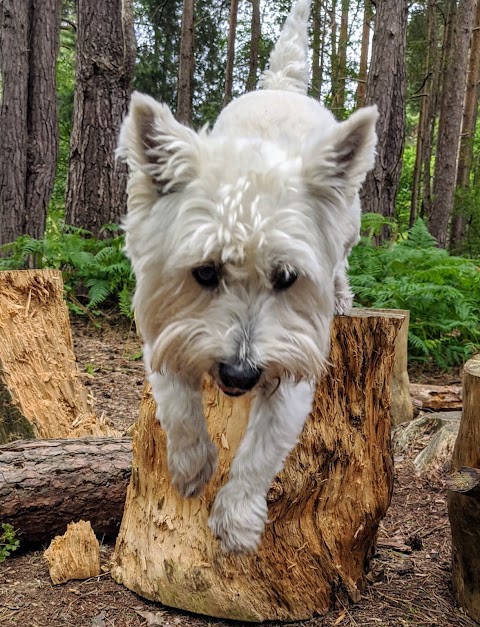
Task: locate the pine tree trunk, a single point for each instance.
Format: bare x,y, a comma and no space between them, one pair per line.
450,122
333,52
465,157
41,394
362,72
386,87
254,46
464,502
324,507
338,102
318,44
45,484
96,185
187,64
232,32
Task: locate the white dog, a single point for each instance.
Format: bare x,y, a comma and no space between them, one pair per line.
238,238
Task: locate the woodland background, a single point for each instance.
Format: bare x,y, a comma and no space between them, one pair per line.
66,73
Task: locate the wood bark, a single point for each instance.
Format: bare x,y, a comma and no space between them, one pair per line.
232,32
464,508
105,53
186,64
41,393
365,46
46,484
319,29
465,157
255,35
338,96
324,507
401,402
75,555
450,121
386,87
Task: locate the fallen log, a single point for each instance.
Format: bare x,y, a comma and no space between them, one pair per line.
46,484
437,397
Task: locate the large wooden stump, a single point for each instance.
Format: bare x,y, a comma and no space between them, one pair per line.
41,393
464,497
324,508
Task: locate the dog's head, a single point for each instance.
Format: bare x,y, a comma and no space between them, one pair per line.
235,241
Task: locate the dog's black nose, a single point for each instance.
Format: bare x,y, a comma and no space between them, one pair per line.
239,376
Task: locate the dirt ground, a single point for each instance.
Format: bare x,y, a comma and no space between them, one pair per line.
409,582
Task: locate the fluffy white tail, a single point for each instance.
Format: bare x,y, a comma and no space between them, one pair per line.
288,64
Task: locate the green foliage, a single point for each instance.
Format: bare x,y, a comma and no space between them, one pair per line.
441,291
8,541
95,271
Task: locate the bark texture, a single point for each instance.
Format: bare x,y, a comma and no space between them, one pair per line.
41,393
324,508
96,185
186,65
365,45
386,87
464,504
255,35
402,406
45,484
450,122
232,32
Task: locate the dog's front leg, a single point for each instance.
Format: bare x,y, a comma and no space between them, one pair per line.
240,511
191,454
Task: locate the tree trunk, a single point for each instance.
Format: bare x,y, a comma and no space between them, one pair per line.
324,507
464,504
362,73
401,401
45,484
96,185
450,122
29,39
338,97
386,87
41,394
333,52
232,32
465,157
187,64
254,46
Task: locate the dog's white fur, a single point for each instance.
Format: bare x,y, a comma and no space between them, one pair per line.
272,189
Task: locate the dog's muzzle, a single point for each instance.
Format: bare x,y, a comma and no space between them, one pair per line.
238,377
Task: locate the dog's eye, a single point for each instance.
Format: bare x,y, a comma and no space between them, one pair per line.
207,275
282,279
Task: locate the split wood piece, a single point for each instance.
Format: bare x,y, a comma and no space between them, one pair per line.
41,393
324,508
466,481
437,397
75,555
45,484
464,509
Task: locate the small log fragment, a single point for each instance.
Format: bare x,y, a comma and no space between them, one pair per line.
464,499
45,484
41,393
324,507
75,555
437,397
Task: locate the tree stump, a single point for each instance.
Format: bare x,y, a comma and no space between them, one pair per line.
41,393
401,402
324,508
464,497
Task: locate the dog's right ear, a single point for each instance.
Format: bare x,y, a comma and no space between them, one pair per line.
151,140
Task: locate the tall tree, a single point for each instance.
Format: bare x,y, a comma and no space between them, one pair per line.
254,46
232,31
365,45
386,87
465,157
338,96
29,40
187,64
105,53
319,30
450,122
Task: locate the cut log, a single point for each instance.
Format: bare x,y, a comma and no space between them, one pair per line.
464,508
45,484
75,555
437,397
41,393
324,508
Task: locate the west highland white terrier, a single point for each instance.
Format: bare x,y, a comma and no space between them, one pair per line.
239,238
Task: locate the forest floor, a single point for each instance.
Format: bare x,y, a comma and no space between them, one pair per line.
409,582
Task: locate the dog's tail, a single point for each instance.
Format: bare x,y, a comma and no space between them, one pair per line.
288,64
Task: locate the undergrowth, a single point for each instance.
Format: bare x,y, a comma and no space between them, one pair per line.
8,541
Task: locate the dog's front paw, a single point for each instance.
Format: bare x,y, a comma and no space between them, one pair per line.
343,304
191,468
238,518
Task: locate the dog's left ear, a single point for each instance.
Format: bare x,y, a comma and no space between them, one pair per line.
151,140
346,155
